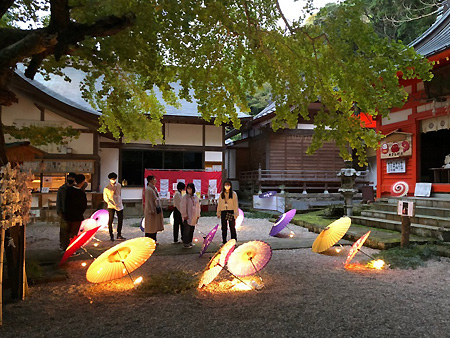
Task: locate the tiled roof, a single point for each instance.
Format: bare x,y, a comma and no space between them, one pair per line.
436,38
69,93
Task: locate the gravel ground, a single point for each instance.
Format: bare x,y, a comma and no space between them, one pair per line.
305,295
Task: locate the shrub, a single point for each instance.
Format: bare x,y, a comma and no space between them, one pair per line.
412,257
170,282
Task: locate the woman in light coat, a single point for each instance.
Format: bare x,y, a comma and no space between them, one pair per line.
154,221
228,210
190,212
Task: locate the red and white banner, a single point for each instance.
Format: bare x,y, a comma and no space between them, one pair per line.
206,182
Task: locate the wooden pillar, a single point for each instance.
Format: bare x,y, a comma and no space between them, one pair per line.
2,249
406,228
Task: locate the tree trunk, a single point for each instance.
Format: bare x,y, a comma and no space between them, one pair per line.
3,156
2,248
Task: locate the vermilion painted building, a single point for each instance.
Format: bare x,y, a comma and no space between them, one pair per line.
418,134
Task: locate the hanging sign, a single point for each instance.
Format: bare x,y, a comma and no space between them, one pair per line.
395,145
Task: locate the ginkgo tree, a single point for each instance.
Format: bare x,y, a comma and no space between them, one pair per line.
218,51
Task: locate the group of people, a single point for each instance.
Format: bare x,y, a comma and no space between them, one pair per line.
187,211
71,204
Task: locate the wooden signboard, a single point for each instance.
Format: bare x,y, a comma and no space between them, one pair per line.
395,145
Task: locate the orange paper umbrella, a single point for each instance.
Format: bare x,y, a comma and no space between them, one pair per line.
331,234
356,247
217,263
120,260
249,258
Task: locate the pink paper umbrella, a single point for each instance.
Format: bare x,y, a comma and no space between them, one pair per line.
87,224
249,258
239,219
356,247
102,218
217,263
77,242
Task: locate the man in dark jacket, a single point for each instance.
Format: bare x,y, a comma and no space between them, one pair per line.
76,204
61,208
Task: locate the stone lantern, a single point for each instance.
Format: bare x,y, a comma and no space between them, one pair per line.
348,177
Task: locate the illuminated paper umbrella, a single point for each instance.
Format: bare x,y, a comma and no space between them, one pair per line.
102,217
331,234
77,242
282,222
356,247
240,219
208,239
120,260
142,226
87,224
249,258
217,263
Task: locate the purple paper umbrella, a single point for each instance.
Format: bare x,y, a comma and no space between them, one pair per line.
142,225
282,221
208,239
102,218
268,194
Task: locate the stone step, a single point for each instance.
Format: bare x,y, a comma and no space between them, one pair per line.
420,210
440,233
418,219
435,202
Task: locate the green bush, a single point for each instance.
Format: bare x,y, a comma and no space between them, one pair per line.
170,282
333,211
412,257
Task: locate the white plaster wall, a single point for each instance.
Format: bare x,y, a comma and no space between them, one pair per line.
372,167
184,134
132,193
398,116
83,145
24,110
109,162
213,156
51,116
213,136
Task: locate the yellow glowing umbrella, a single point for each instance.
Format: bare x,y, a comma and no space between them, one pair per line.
217,263
121,260
331,234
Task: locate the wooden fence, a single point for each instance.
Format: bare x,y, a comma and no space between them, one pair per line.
295,180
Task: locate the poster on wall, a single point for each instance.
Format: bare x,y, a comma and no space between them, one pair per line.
396,166
201,179
396,144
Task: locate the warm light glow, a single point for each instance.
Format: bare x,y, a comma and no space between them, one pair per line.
378,264
338,250
195,239
83,264
240,286
138,280
292,234
96,244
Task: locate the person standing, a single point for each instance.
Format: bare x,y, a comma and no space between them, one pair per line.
190,212
153,214
177,219
61,208
112,195
75,206
228,210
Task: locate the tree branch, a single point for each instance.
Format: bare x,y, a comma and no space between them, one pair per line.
4,6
